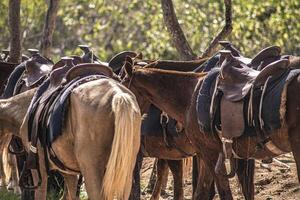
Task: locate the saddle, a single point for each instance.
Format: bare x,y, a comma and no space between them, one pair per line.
117,62
89,56
82,70
36,68
243,89
236,78
259,61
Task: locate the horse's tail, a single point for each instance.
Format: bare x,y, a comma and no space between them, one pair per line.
7,169
125,146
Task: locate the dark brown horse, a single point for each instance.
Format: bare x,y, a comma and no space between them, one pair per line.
171,151
176,93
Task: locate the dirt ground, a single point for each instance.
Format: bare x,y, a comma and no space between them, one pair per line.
272,182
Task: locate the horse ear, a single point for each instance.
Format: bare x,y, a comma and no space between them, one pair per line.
128,65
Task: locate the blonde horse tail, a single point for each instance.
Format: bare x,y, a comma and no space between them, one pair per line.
117,179
6,165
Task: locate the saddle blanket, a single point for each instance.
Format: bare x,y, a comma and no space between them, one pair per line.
151,125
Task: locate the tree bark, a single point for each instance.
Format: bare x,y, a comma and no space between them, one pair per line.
15,32
177,35
49,27
224,32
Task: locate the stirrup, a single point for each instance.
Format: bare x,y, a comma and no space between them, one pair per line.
24,176
226,158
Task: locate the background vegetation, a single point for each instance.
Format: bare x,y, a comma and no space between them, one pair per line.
116,25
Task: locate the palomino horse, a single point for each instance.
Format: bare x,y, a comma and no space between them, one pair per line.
28,75
178,98
244,167
100,138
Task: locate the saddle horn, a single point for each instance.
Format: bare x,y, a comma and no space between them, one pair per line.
68,61
228,46
33,52
85,48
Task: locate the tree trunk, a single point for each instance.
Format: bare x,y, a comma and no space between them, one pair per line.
49,27
177,35
15,32
224,32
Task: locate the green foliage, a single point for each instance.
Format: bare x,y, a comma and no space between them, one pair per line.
115,25
5,195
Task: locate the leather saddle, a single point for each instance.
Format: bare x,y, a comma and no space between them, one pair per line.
260,60
36,68
237,82
117,61
89,56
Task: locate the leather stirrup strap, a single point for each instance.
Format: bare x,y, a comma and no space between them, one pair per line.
164,120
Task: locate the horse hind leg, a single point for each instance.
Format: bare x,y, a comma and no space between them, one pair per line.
162,172
245,173
71,182
176,167
294,138
204,188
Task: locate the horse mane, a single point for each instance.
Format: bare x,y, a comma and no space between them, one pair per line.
166,64
173,72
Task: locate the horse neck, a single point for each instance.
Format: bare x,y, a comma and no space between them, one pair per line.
184,66
170,91
13,111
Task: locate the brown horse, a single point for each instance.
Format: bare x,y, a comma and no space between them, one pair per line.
156,146
178,98
100,138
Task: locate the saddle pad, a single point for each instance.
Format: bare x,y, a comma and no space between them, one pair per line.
151,124
13,80
204,100
273,102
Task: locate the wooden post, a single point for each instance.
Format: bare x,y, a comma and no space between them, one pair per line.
15,32
49,27
177,35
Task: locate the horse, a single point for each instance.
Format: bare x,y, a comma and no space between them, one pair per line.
155,145
100,137
178,98
245,167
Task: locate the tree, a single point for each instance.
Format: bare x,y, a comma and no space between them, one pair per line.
224,32
15,32
49,27
177,35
